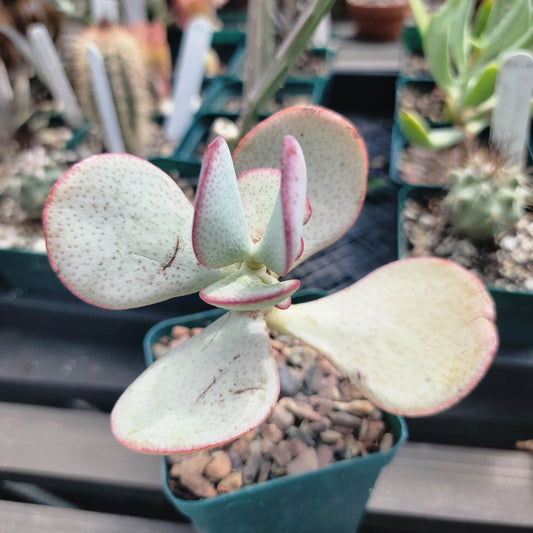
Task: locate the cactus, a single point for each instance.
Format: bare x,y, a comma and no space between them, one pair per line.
121,234
486,196
127,76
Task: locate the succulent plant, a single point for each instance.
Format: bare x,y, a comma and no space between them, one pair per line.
486,197
128,79
415,335
464,53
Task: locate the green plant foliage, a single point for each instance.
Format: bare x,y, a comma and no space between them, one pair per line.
486,197
464,52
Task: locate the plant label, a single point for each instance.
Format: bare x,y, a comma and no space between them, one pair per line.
46,54
511,116
134,11
6,91
105,10
104,100
188,76
322,34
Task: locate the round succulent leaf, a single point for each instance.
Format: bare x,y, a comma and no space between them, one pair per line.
220,233
259,189
209,390
281,243
248,290
415,335
118,234
336,160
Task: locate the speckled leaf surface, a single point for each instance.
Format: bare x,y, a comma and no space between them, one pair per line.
245,290
281,243
220,233
336,161
213,388
259,189
416,335
118,234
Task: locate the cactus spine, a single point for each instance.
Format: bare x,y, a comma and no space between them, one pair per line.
486,197
127,76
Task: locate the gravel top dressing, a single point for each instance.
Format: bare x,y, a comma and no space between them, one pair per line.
320,418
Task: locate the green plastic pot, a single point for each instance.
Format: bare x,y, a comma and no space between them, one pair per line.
412,40
217,95
514,309
329,499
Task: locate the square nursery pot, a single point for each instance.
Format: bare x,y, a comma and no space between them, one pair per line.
514,309
29,273
329,499
223,96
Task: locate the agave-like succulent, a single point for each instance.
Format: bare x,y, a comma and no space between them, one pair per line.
415,335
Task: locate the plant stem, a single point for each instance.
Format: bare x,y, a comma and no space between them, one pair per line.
286,56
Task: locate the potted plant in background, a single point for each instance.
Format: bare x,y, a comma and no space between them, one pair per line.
120,234
378,20
463,53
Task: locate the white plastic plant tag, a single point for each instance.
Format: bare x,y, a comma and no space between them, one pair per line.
6,91
46,53
511,116
24,48
105,10
322,34
188,76
134,11
104,100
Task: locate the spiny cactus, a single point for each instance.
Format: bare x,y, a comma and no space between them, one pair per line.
121,234
127,77
486,196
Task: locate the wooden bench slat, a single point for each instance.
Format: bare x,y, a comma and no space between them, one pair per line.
71,445
438,482
28,518
463,484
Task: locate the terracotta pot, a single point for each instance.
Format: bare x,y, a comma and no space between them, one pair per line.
380,20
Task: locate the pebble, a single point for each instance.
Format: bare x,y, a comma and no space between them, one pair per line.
340,418
197,484
241,448
386,442
271,432
324,419
282,417
296,446
230,483
305,462
330,436
219,467
287,384
281,454
355,407
325,455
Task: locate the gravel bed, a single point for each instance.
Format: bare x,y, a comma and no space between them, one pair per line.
320,418
506,263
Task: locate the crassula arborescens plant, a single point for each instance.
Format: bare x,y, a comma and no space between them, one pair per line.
415,335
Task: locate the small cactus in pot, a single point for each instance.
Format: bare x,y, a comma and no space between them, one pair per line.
128,78
486,197
415,335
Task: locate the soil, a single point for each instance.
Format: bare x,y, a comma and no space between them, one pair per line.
22,231
506,263
234,104
415,66
425,166
320,418
310,64
428,103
